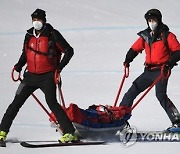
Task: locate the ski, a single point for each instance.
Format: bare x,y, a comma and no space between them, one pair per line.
57,144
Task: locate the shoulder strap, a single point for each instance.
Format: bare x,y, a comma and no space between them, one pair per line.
38,52
52,44
164,37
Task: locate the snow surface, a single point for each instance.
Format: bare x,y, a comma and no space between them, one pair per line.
101,32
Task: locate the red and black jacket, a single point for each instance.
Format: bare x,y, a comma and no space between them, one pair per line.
36,51
158,50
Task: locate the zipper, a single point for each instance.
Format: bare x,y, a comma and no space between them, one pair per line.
150,46
37,47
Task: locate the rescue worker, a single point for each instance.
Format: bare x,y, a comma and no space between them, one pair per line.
42,52
162,51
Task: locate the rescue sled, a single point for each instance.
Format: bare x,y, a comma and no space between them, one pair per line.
103,123
97,120
97,133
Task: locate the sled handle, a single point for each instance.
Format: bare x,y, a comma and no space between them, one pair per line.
165,76
57,80
126,71
18,77
56,77
126,75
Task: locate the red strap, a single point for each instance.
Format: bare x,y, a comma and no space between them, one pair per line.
126,75
56,77
12,75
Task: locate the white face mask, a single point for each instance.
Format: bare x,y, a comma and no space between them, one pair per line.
153,25
37,25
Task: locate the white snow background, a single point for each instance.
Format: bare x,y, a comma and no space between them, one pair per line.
101,32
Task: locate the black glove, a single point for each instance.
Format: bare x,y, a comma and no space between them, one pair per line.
66,58
175,57
17,67
60,67
126,64
169,65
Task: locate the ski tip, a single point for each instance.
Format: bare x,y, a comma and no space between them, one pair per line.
24,144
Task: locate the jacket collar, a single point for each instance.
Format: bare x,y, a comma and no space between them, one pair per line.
145,34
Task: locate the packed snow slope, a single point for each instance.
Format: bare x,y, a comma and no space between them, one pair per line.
101,32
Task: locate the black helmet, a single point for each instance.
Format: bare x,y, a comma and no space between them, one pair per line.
153,13
40,14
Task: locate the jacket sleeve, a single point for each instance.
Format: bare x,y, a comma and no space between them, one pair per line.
174,47
22,60
139,45
173,43
131,54
64,47
135,49
175,57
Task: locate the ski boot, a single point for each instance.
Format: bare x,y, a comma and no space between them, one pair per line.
68,138
3,139
175,128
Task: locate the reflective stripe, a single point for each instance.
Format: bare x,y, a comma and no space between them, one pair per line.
21,86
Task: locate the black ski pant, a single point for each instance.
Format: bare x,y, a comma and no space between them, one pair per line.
30,83
142,83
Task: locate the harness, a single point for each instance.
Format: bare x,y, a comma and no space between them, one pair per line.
52,48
